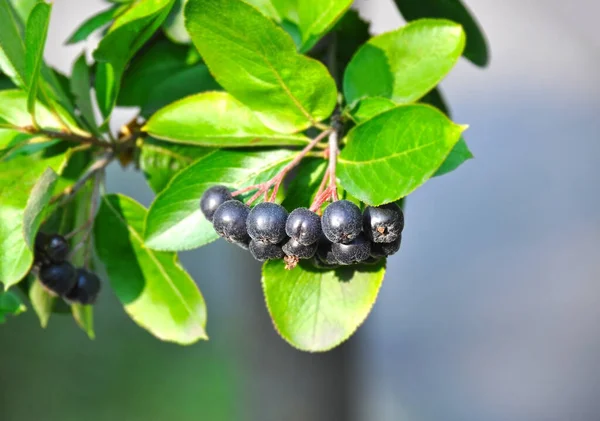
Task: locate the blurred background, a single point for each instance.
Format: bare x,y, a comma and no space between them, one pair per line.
489,313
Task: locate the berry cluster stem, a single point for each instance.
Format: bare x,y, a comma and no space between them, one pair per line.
275,182
329,178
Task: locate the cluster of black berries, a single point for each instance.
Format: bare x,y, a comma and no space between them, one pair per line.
342,236
57,275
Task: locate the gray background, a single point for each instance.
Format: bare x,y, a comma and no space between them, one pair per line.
490,312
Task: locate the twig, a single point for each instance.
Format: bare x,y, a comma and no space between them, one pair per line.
71,137
329,178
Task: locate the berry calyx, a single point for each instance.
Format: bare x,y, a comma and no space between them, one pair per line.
212,199
383,224
356,251
341,221
294,248
57,248
86,289
265,251
304,226
266,223
229,221
58,278
386,249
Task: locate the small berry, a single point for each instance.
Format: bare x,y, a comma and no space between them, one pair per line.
229,221
325,254
355,251
212,199
265,251
341,221
57,248
58,277
386,249
294,249
266,223
304,226
383,224
86,289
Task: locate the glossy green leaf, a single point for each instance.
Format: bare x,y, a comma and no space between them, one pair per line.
42,302
256,62
476,49
126,36
174,25
26,185
81,88
160,161
174,220
317,17
13,111
12,48
369,107
405,64
35,41
392,154
215,119
154,289
316,310
95,23
10,305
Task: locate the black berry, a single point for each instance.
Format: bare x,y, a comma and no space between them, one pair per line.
58,277
212,199
57,248
325,254
371,260
355,251
383,224
266,223
265,251
341,221
86,289
304,226
229,221
294,249
386,249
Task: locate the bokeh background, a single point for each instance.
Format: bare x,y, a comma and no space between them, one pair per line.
489,313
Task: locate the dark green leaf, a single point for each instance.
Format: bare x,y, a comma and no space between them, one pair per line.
160,161
81,88
155,290
10,304
256,62
351,32
317,17
435,98
396,151
405,64
35,41
174,220
476,49
458,155
94,23
305,184
317,310
215,119
12,48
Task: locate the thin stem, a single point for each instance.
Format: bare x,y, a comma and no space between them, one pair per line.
333,153
70,137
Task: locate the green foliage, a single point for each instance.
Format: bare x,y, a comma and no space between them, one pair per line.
230,92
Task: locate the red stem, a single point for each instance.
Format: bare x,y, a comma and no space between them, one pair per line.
329,193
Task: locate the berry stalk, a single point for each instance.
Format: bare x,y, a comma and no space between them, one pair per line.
330,192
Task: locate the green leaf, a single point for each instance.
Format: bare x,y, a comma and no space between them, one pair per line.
84,317
23,8
42,302
316,310
458,155
215,119
174,220
174,26
160,161
162,73
12,49
94,23
351,33
35,41
389,156
81,88
10,304
476,49
256,62
303,188
13,111
369,107
154,289
26,185
435,98
405,64
317,17
126,36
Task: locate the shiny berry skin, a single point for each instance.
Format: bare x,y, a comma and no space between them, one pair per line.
57,248
86,289
356,251
325,254
383,224
266,223
386,249
229,221
265,251
59,278
304,226
294,249
212,199
341,221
